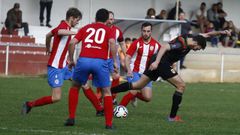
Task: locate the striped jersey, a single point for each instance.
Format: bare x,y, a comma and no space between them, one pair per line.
59,51
118,37
141,54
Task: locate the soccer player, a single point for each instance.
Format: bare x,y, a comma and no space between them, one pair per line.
97,39
137,59
57,69
119,41
161,65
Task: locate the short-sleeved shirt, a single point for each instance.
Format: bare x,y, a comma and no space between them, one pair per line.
141,54
95,39
58,57
118,36
179,48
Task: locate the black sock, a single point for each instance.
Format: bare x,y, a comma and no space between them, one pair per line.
122,87
176,100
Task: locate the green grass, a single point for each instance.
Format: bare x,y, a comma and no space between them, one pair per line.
207,108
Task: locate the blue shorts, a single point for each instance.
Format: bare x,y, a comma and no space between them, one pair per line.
136,77
57,76
110,64
97,67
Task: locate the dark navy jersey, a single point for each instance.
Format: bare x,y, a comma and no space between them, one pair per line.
179,49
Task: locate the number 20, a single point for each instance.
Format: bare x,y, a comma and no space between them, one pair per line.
97,39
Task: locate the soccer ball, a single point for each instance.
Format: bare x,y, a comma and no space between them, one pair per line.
120,111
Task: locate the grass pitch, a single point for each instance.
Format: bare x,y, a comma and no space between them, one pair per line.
207,109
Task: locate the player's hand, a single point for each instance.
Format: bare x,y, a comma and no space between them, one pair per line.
48,52
71,64
153,66
130,74
115,65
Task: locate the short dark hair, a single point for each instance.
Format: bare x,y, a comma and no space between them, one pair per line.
146,24
102,15
200,41
74,12
203,3
111,12
127,39
16,5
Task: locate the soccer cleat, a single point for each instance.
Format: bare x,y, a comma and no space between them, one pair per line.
175,119
134,102
100,113
26,108
69,122
110,127
115,102
48,25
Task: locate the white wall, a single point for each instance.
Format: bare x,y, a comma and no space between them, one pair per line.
122,8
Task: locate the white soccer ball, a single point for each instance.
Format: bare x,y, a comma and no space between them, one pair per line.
120,111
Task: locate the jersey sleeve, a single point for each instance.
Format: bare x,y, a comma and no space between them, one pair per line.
59,27
132,49
79,35
178,43
120,38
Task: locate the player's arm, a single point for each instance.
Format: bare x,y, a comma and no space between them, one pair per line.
216,33
127,63
64,32
113,50
71,49
123,48
48,42
161,52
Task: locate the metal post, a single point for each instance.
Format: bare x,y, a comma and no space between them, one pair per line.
177,9
90,10
7,58
222,67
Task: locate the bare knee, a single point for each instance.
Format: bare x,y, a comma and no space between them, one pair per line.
181,87
56,98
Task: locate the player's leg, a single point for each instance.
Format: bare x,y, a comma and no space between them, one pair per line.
115,82
88,92
55,80
128,97
177,96
144,80
80,77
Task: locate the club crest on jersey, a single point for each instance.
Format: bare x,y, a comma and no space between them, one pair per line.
151,48
56,81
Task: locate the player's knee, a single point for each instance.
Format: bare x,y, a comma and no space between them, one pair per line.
56,98
148,99
181,86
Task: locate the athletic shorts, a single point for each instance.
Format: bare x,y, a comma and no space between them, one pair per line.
57,76
110,64
97,67
136,77
164,70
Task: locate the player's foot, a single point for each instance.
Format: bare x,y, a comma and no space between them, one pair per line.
134,102
26,108
41,24
100,113
69,122
175,119
110,127
115,102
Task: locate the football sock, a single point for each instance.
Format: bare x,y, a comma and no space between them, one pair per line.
122,87
126,99
176,100
108,110
72,101
93,99
115,82
140,96
99,94
41,101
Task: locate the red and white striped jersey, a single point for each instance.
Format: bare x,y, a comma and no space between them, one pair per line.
59,51
141,54
118,37
95,40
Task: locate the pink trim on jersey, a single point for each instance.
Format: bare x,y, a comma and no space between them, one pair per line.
141,54
58,57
